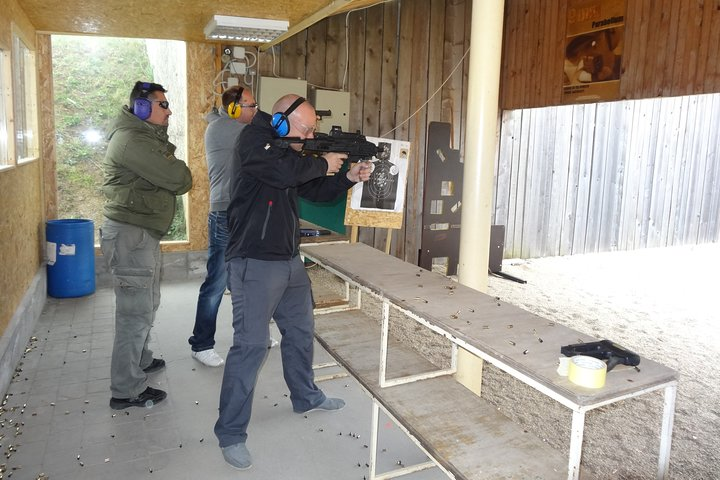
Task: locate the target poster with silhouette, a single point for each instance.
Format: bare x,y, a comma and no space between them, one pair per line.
380,201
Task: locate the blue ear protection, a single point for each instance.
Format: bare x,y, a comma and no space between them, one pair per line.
280,121
142,107
235,109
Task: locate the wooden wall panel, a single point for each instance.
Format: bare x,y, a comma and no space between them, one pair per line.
22,220
335,56
405,247
316,54
22,233
560,187
356,28
670,49
465,77
417,132
388,92
650,77
200,73
293,53
677,151
616,176
355,77
680,47
667,23
712,73
610,159
373,72
47,125
453,54
372,91
710,209
435,58
667,67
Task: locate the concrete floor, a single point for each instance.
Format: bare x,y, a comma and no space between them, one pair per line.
56,423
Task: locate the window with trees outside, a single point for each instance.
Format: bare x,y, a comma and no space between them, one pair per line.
92,80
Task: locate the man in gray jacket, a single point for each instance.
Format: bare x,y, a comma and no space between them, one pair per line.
142,179
224,126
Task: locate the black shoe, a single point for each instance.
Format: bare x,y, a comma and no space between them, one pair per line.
147,399
155,365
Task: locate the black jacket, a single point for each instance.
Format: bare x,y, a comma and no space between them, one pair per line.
266,182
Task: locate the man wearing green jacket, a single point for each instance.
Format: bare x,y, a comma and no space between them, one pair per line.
142,179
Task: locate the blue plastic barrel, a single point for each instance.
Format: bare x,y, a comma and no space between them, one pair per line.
71,257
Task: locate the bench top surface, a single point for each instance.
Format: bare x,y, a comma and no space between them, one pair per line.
508,335
462,431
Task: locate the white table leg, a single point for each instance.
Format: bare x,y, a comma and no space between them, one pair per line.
576,439
666,432
384,343
374,439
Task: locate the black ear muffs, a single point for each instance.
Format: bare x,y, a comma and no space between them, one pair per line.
142,107
280,121
235,108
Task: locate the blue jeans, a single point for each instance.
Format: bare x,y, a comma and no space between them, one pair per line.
262,290
213,288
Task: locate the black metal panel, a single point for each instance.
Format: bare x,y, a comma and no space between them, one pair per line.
497,247
441,200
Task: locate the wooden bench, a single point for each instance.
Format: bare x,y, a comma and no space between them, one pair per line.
463,434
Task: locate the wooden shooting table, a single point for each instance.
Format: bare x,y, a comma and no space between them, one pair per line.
462,433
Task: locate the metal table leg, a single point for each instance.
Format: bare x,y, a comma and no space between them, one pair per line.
576,439
666,432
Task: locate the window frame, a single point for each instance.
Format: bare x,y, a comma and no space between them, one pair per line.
24,99
7,149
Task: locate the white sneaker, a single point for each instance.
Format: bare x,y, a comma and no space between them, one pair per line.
209,358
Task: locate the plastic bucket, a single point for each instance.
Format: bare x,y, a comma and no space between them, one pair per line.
70,257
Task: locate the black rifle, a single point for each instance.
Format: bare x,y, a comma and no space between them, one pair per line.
354,144
604,350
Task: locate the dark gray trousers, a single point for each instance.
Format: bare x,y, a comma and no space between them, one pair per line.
262,290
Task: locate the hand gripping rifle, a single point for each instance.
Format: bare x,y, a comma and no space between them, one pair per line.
354,144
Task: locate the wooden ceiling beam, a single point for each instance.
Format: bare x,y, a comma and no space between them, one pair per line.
333,8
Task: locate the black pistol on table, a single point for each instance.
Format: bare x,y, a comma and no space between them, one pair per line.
604,350
357,147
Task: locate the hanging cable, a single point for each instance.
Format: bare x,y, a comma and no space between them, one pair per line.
347,40
431,96
347,63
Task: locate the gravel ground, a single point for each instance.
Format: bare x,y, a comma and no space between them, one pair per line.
660,303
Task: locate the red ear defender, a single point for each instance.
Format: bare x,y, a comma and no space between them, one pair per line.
235,107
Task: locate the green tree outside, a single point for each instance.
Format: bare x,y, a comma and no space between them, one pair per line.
92,79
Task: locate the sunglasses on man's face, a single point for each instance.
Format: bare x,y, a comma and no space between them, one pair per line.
163,103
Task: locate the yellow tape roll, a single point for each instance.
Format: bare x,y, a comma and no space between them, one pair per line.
587,371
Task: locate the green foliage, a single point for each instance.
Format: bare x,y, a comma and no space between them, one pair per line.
92,79
72,179
177,230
